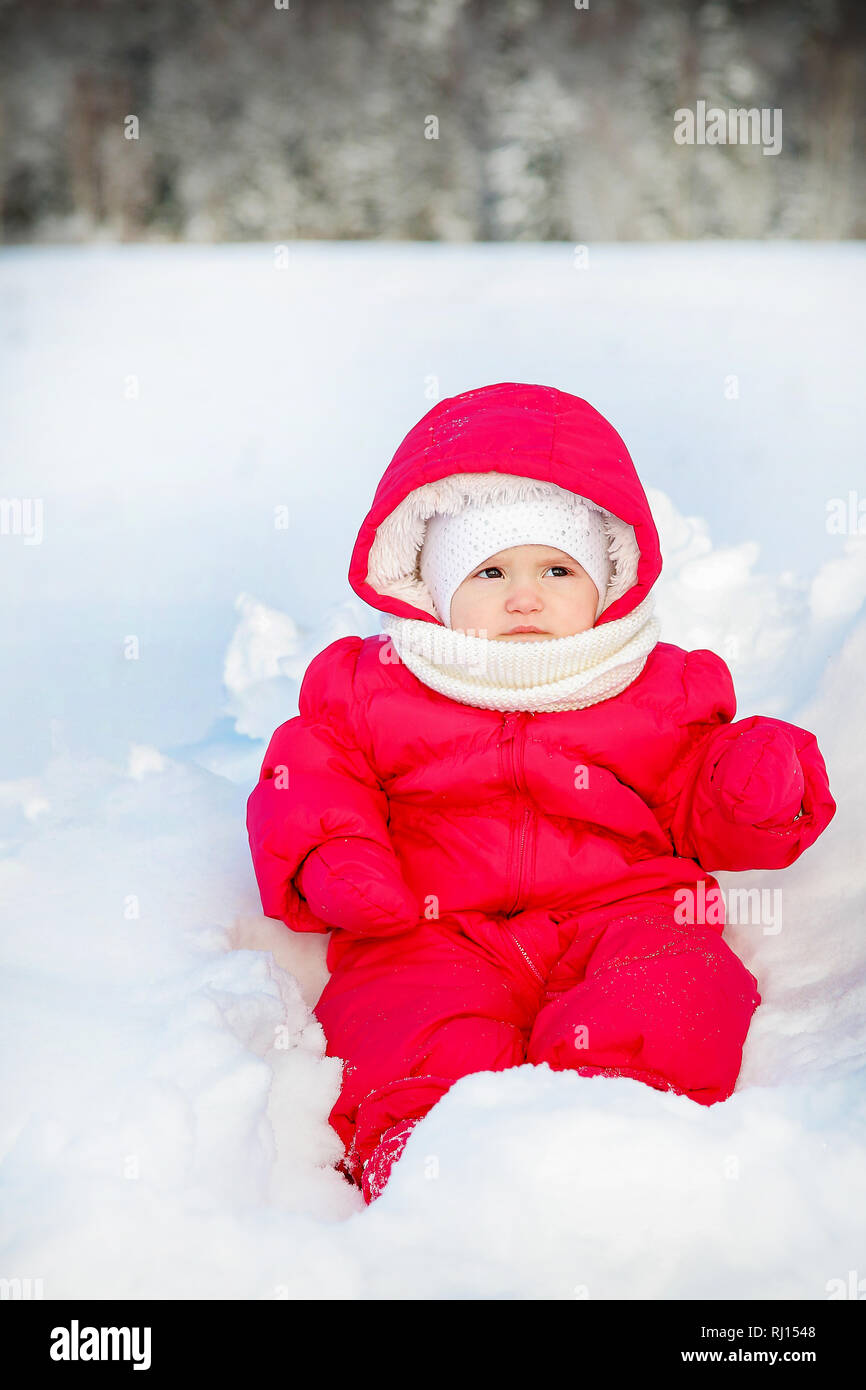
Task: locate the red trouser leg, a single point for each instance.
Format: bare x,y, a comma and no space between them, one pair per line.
640,996
412,1015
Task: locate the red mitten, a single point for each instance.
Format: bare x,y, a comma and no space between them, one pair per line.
758,779
356,884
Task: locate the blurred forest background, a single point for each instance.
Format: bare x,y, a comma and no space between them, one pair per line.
314,121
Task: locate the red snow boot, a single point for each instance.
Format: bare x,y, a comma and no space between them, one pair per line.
378,1167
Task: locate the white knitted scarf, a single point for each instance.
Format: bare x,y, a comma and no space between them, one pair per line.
559,673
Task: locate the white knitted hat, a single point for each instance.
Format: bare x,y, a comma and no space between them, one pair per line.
455,544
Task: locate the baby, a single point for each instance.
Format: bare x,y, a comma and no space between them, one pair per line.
509,803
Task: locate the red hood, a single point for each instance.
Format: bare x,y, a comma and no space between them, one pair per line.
508,428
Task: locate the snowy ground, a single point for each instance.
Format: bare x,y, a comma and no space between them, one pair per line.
164,1127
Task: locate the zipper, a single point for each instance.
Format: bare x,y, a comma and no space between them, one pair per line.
527,814
513,720
536,972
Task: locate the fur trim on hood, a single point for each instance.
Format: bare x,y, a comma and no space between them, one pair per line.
394,555
509,441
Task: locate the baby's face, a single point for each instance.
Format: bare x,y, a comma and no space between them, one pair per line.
533,586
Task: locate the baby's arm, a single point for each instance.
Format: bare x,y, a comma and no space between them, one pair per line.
747,795
318,818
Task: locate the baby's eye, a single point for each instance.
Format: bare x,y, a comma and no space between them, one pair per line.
495,568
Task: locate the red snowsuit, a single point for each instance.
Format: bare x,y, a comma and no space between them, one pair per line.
542,924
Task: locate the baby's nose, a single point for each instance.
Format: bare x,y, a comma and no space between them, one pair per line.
524,599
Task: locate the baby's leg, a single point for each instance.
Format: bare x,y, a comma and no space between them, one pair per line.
411,1015
666,1004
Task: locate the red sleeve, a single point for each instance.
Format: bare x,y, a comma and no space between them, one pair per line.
752,794
315,785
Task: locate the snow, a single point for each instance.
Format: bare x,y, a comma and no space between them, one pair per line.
164,1129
